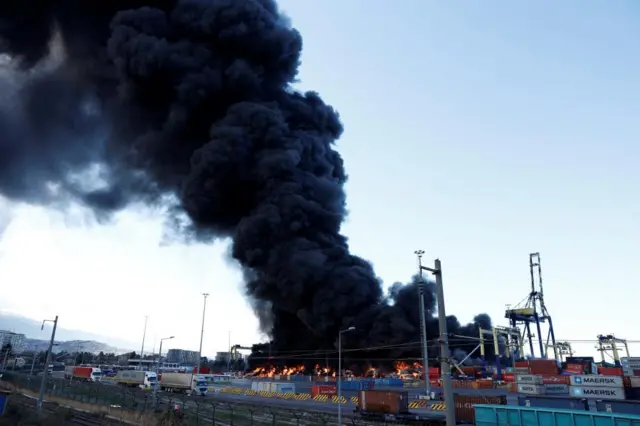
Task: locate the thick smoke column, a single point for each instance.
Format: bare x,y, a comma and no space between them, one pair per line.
122,101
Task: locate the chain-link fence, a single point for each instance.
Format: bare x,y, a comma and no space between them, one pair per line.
137,406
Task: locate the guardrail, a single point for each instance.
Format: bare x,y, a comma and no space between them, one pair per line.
134,406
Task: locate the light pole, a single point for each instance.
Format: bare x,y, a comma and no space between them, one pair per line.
423,326
43,384
144,335
445,361
155,388
340,373
204,309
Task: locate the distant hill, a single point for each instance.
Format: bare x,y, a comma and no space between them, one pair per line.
68,340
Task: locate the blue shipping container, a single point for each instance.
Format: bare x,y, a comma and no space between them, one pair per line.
4,399
618,407
550,402
506,415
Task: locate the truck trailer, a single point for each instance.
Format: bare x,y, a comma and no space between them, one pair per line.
190,384
85,374
139,379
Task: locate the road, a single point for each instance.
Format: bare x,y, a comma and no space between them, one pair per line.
330,407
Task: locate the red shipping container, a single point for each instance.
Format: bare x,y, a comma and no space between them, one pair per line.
434,370
522,364
323,390
508,377
434,383
554,379
575,368
610,371
543,366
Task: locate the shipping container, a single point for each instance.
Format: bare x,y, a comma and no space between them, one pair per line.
261,386
610,371
622,407
501,415
553,402
599,381
323,390
522,370
281,387
634,382
556,389
530,389
463,404
508,377
580,359
557,379
529,379
385,402
575,368
632,394
597,392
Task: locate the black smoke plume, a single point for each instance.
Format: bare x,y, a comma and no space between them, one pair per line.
110,103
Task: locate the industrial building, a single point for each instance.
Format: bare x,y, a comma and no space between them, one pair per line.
16,340
182,357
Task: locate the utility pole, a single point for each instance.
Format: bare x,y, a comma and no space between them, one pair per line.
144,335
204,309
43,384
423,326
445,360
229,362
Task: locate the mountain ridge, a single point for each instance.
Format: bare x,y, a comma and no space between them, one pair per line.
40,338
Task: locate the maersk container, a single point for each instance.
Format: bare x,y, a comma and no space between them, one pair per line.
620,407
282,387
597,381
555,403
597,392
529,379
530,389
560,389
502,415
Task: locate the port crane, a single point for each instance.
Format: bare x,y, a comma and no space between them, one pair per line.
532,311
608,345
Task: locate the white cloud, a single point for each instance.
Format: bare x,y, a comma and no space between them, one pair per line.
105,279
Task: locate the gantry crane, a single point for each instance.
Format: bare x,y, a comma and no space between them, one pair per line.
533,310
609,343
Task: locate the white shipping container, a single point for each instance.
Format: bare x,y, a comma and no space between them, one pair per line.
634,365
597,392
556,389
529,379
632,360
630,372
522,370
635,382
283,387
592,380
531,389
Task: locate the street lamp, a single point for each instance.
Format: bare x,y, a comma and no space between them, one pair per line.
155,388
340,373
204,309
43,384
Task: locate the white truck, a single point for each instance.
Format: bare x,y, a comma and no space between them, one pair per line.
139,379
190,384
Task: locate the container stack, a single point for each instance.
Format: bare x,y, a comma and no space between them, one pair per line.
631,373
539,377
597,387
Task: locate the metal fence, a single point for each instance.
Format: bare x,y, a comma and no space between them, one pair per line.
135,406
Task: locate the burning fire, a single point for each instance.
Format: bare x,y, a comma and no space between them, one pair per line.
272,371
403,370
406,371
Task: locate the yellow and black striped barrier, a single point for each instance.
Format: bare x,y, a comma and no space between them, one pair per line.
321,398
438,407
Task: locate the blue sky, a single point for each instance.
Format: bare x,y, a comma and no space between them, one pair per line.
477,131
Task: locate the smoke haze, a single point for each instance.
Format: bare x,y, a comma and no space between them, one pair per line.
109,103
